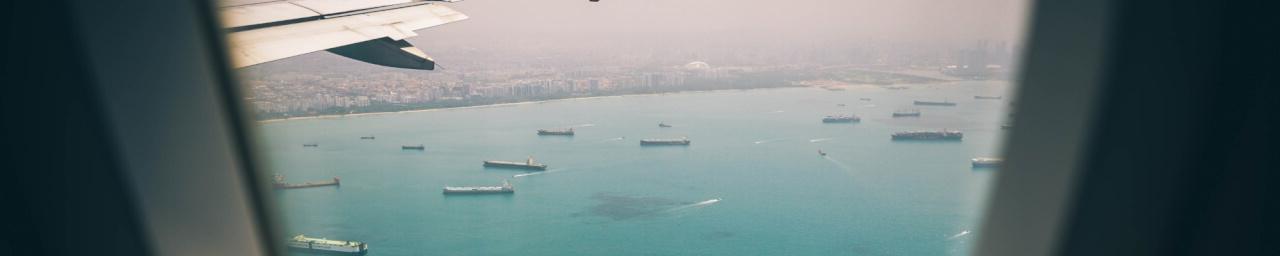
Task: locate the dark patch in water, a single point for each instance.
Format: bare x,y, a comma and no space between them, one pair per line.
623,207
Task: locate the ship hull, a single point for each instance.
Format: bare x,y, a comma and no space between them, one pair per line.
514,166
986,165
928,138
477,192
325,252
931,103
664,143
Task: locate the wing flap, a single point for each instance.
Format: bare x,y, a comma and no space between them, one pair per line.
261,45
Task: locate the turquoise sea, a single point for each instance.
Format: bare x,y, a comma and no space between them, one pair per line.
754,150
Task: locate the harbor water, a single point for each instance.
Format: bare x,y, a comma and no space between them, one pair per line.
751,182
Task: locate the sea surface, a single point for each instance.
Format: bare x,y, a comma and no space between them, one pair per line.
751,183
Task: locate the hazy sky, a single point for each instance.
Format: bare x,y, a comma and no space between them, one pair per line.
722,22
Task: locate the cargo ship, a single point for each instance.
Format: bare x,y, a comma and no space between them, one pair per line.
841,119
986,162
310,145
279,183
934,103
665,142
565,132
306,244
907,113
928,135
506,188
411,147
366,137
980,97
527,164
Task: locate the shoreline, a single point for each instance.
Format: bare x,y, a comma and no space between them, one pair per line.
339,116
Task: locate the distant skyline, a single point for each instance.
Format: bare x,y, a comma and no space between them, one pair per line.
727,23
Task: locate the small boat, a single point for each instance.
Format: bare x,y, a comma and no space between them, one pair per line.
366,137
866,99
841,104
981,97
310,145
664,125
986,162
411,147
820,153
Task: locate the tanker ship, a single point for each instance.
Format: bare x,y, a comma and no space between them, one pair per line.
934,103
565,132
841,119
506,188
928,135
665,142
302,243
527,164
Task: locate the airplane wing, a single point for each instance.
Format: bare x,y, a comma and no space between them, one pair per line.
372,31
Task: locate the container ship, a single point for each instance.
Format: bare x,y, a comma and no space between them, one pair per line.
527,164
506,188
928,135
980,97
665,142
934,103
565,132
841,119
411,147
306,244
986,162
907,113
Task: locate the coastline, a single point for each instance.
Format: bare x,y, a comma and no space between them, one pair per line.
339,116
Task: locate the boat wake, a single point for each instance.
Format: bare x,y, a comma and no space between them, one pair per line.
765,141
820,140
962,233
584,125
838,163
698,204
614,139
